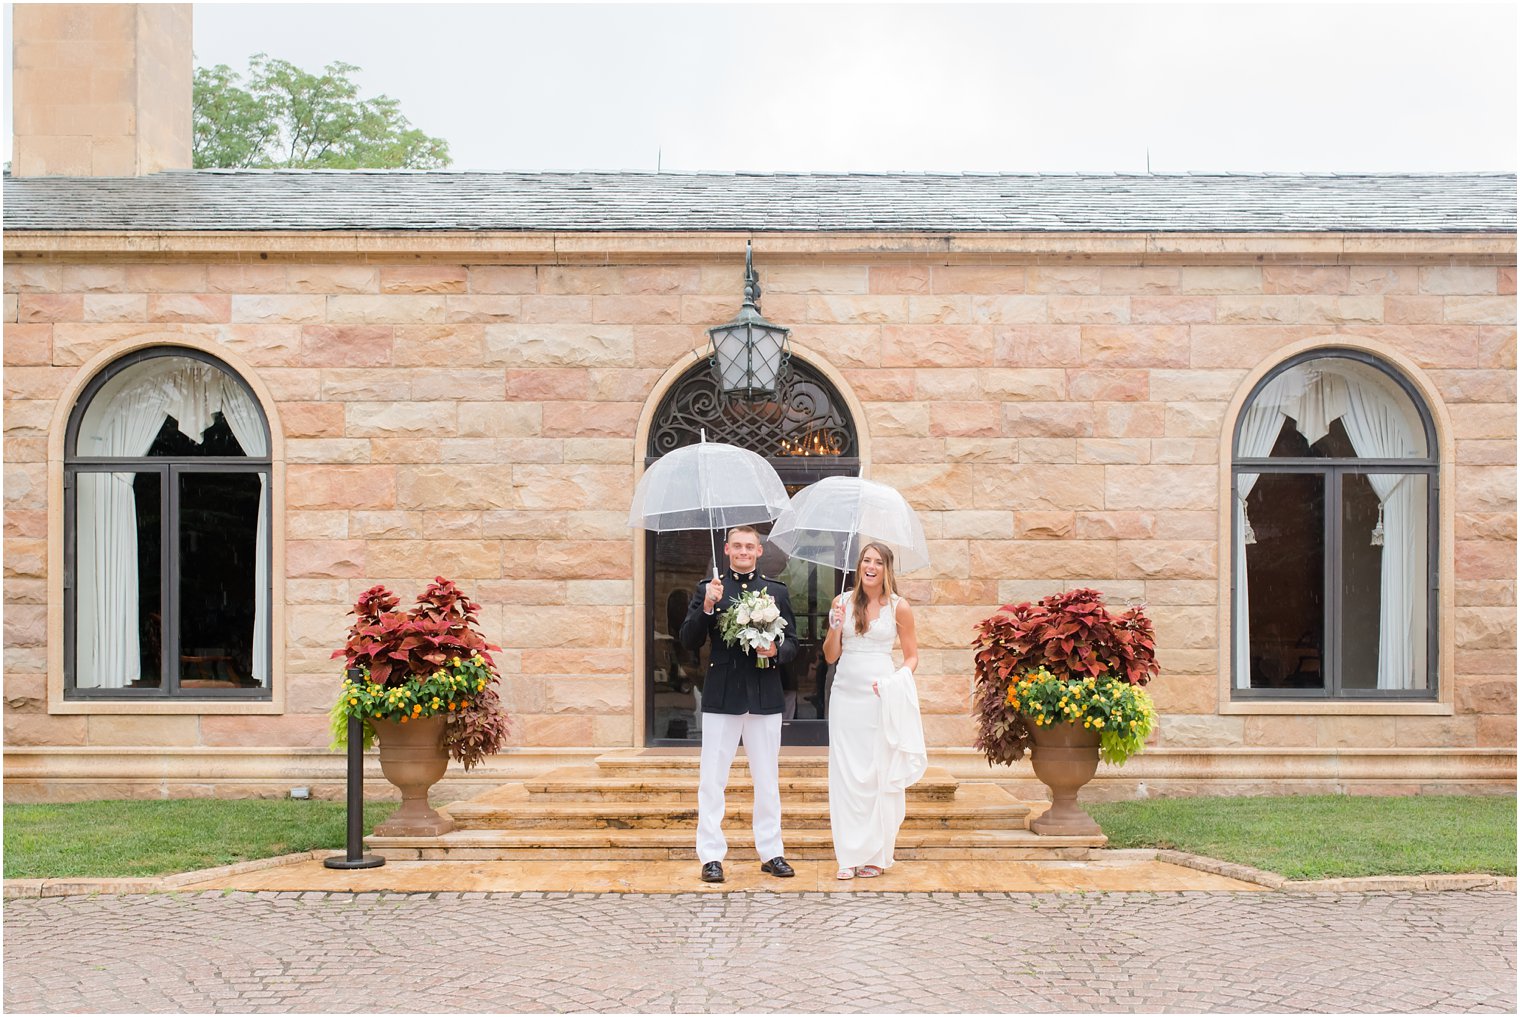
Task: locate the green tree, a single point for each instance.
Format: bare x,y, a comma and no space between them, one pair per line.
287,118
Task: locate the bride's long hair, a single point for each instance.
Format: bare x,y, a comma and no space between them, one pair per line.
858,600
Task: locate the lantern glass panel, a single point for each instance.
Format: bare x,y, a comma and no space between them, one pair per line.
766,357
733,357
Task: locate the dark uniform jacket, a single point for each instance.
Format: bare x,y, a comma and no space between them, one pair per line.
734,685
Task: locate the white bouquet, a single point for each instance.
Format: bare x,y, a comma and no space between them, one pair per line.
753,621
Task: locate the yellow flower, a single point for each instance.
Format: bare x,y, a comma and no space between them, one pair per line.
456,661
353,702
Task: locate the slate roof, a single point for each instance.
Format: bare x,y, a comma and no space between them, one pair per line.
896,202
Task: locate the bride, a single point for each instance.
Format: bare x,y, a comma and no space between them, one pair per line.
866,803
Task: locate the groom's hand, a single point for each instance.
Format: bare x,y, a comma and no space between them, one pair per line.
713,595
766,651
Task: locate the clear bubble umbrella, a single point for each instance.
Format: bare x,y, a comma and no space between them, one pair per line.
828,523
707,486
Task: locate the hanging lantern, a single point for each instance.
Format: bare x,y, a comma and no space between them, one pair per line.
1377,531
749,352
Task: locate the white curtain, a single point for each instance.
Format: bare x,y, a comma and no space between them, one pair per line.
123,419
247,427
1259,428
107,648
1378,430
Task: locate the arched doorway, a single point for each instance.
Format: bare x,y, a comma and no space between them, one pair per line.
807,433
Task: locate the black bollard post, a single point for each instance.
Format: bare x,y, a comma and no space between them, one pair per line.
356,858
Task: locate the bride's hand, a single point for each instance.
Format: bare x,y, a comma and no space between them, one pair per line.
836,615
876,688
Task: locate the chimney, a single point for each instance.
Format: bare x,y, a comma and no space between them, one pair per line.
101,90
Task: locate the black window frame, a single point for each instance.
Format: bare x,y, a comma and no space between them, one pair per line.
1333,472
169,468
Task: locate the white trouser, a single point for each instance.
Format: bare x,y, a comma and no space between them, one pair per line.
721,734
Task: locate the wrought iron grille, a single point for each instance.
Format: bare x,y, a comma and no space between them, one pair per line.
805,418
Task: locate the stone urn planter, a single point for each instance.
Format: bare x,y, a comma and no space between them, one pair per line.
413,758
1062,681
1064,757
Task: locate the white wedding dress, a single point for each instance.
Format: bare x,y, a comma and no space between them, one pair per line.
865,811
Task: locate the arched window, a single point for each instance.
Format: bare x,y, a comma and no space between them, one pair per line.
166,490
1334,534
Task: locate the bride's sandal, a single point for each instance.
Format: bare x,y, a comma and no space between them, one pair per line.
868,871
845,874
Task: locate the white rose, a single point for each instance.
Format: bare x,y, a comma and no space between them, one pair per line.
772,613
742,616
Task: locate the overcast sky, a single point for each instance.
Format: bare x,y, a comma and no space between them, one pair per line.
876,87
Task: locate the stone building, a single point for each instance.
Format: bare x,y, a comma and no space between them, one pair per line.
1277,409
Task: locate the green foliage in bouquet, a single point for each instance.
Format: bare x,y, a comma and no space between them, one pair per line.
753,620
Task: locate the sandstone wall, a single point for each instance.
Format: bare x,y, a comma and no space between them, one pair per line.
1056,426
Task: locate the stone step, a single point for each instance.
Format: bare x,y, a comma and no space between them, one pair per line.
648,764
675,844
592,784
514,807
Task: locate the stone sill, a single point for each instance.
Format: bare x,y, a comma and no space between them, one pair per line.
165,707
1337,708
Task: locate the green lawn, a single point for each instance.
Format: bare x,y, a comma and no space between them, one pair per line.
1297,837
1324,837
155,838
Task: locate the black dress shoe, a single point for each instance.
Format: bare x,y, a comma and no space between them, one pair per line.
777,867
712,872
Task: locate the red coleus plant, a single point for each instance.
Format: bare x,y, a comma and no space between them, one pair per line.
395,648
1071,635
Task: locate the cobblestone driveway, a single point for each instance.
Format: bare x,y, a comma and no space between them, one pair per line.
319,952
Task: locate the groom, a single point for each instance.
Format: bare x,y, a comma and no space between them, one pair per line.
739,701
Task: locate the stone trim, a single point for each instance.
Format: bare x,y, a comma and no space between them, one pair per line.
51,773
554,247
80,886
1359,884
